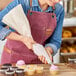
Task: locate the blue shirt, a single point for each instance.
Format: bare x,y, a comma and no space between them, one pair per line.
55,40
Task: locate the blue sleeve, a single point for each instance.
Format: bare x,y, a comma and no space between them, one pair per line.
4,31
55,40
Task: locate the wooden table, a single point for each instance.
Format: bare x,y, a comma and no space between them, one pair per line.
64,70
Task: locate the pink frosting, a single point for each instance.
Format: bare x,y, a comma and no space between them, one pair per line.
20,62
53,67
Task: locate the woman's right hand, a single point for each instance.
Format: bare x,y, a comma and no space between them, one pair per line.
28,41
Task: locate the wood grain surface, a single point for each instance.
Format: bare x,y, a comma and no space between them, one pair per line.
64,70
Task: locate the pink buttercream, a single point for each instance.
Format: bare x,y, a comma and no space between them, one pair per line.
53,67
20,63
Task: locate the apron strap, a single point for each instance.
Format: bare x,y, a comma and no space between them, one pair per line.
7,50
53,9
30,3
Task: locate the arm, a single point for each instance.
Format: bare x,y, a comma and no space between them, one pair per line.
4,32
55,40
8,33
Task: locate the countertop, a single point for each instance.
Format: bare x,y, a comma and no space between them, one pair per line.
64,70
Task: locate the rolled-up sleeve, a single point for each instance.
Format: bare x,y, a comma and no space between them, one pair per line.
56,38
4,32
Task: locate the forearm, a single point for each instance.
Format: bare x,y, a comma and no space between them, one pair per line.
6,33
14,36
55,40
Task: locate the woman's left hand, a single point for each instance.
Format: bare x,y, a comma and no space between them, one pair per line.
49,51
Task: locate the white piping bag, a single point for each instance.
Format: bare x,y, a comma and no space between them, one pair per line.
18,21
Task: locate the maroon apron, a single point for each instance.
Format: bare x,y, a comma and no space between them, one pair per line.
42,26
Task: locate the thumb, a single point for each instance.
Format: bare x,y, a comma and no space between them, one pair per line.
50,55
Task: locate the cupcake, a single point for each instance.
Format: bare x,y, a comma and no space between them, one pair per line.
31,69
20,72
54,69
7,65
31,66
39,69
10,73
14,68
3,70
21,64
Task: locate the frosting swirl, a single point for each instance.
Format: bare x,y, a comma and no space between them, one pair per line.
53,67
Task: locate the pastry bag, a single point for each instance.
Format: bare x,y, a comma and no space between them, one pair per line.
18,21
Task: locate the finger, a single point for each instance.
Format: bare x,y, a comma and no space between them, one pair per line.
49,54
45,61
39,57
42,59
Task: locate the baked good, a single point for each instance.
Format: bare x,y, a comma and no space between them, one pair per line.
71,49
31,66
7,65
54,69
21,64
39,69
64,50
10,73
66,34
20,72
14,68
30,71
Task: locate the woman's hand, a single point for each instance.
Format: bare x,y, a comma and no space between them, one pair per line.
28,41
49,51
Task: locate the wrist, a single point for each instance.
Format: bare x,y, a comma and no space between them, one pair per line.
21,38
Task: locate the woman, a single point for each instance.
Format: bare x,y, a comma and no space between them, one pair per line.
46,19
